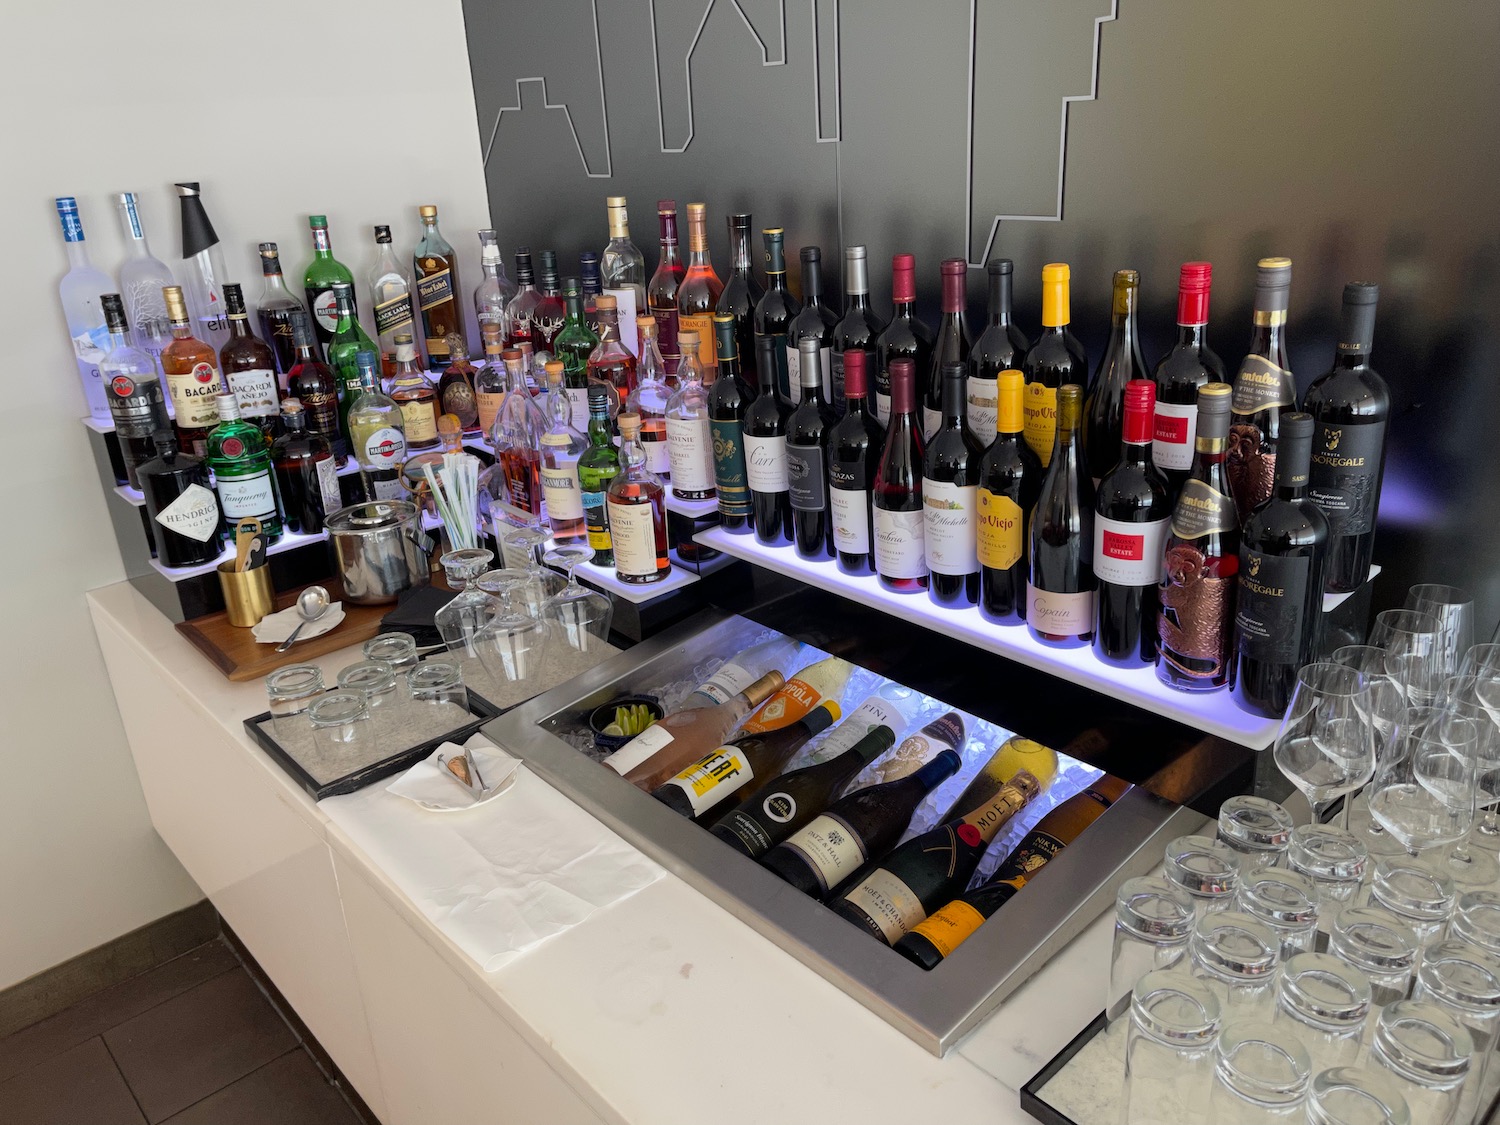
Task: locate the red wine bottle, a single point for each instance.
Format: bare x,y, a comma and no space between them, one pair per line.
1104,412
1010,480
859,327
854,448
742,292
906,336
1279,608
1201,560
775,311
950,480
1189,365
1054,361
816,320
1132,512
951,346
900,551
865,824
1263,389
1060,593
729,397
765,450
1352,408
807,456
1000,347
661,292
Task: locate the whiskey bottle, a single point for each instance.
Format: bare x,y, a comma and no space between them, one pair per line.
249,367
456,393
698,295
241,465
413,392
437,288
190,366
637,512
390,292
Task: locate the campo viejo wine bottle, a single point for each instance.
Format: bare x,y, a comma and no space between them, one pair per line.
1263,388
900,538
1053,362
1060,591
854,448
950,479
1010,480
1189,365
1104,412
1000,347
764,433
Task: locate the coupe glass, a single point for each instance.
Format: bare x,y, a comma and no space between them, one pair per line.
1473,869
1412,643
461,621
1426,796
1454,611
1326,744
582,616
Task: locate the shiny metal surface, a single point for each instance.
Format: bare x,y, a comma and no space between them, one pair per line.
379,550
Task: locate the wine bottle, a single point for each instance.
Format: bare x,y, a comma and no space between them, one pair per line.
907,336
1132,512
836,843
807,456
793,700
685,735
1352,408
951,345
1200,560
728,400
947,732
1010,480
742,766
1279,608
661,293
764,433
950,926
1060,591
854,448
1263,388
900,551
1050,364
888,707
860,326
1189,365
742,292
816,320
783,806
1000,347
950,479
698,296
774,313
1104,412
735,675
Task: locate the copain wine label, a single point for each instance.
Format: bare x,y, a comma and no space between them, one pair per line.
1202,510
1059,615
765,463
888,902
195,514
900,544
639,749
1259,385
1269,610
690,452
1129,554
948,512
1039,425
1345,474
831,848
729,468
713,777
1000,530
1175,426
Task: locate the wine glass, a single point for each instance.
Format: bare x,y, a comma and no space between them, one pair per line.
1387,718
1426,796
1454,611
1470,869
530,544
461,620
513,644
581,615
1481,660
1326,744
1410,639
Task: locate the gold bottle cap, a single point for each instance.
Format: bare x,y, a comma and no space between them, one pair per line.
604,302
427,211
403,338
619,217
553,365
1055,311
1010,388
176,306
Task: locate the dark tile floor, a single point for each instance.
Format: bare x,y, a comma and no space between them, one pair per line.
192,1042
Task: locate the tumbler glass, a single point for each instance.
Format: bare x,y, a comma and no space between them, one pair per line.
1464,981
1381,945
1237,957
1476,919
341,723
1174,1021
1261,1075
1353,1095
376,679
1429,1053
1420,895
1334,860
1327,1002
1153,921
399,650
1287,902
1205,870
1258,829
438,681
291,691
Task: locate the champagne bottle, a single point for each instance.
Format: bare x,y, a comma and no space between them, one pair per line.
742,766
916,750
738,673
1263,390
795,699
947,928
1011,757
838,842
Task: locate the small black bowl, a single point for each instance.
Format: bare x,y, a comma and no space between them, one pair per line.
601,716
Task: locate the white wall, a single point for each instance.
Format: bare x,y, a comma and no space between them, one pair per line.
278,109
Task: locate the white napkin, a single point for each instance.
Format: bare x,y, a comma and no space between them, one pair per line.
274,628
433,786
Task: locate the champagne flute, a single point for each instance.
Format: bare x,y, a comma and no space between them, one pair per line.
1326,744
1411,641
1454,611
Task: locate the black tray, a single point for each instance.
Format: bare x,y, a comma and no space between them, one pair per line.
1031,1100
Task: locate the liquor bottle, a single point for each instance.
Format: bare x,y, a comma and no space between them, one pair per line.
390,293
317,283
1189,365
591,286
946,732
1010,481
1050,364
1000,347
637,512
562,446
900,550
951,346
1060,592
80,290
1279,603
859,327
1201,558
1132,512
314,384
517,439
649,396
1104,412
611,363
137,403
622,269
573,344
698,295
1352,408
522,307
181,508
142,278
306,473
807,435
950,500
347,341
790,801
741,294
489,379
728,400
690,447
743,669
377,433
764,432
815,319
661,293
435,267
495,290
1013,756
275,307
203,273
1263,388
774,313
192,372
550,313
906,336
249,367
414,394
666,746
241,465
854,447
597,467
821,680
835,844
456,392
741,767
950,926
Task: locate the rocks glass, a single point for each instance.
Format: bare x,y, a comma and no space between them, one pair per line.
1429,1053
1237,957
1204,870
291,691
1261,1075
1381,945
1153,921
1258,829
1174,1023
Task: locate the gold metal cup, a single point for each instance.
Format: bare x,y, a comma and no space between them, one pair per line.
248,594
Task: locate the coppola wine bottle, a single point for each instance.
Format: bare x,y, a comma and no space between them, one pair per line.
950,479
900,551
952,344
854,447
1189,365
1053,362
860,327
774,313
1263,388
815,320
1104,412
906,336
728,400
764,432
1000,347
1010,480
807,456
1060,592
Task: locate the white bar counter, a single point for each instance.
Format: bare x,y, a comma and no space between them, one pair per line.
659,1009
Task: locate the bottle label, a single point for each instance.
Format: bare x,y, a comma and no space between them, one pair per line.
949,527
932,422
950,926
900,547
779,808
596,519
765,463
193,393
666,338
792,703
246,497
1000,530
384,449
654,445
850,509
726,683
831,848
92,345
132,401
1059,615
394,315
388,489
836,377
194,514
489,403
560,490
1345,474
873,712
325,310
643,747
328,484
1035,851
730,473
632,533
1039,425
1129,554
255,391
883,408
419,419
1175,427
749,831
916,750
578,408
807,478
625,303
434,289
888,902
714,777
1273,592
703,324
1202,510
1260,385
1195,613
982,399
690,453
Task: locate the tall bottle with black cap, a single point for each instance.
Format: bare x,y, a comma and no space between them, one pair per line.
203,273
1104,412
859,327
950,479
728,400
742,292
275,307
764,433
1060,596
854,447
815,320
522,307
249,367
313,383
807,437
951,346
1351,407
1263,390
181,508
549,314
318,279
435,265
900,542
775,311
390,293
1000,347
1283,551
1190,364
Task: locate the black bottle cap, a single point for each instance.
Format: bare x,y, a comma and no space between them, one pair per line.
197,232
302,332
739,221
1213,410
1357,324
572,287
524,274
1000,267
598,396
234,299
549,265
382,234
1294,449
165,442
811,254
955,384
114,312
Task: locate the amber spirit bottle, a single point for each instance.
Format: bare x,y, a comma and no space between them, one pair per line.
275,307
456,391
661,294
249,367
192,372
414,393
699,293
306,473
438,289
313,383
637,512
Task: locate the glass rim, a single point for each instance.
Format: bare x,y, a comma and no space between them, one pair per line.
1366,1084
293,674
1162,926
1283,899
1439,593
1324,990
1327,678
1462,975
1414,621
1325,853
373,677
1235,947
1255,823
1235,1053
1201,866
337,708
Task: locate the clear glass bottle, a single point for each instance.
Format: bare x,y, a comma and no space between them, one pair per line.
517,440
522,307
192,372
390,293
562,446
689,445
461,621
436,270
648,398
495,290
137,402
414,393
456,392
622,269
377,433
637,512
596,469
142,278
80,291
318,279
241,465
203,272
276,308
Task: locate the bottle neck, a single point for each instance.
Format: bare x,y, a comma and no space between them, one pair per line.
271,279
78,255
1208,451
739,251
239,326
599,428
1135,453
903,309
1344,360
1190,336
116,337
858,405
322,247
812,283
304,350
669,239
776,279
1265,338
999,306
953,403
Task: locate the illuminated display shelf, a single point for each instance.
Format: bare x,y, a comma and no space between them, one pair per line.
693,509
604,578
289,541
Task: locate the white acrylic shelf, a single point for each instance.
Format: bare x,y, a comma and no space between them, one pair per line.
289,541
693,509
604,578
130,495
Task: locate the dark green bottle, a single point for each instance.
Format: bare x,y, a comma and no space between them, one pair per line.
576,340
318,281
596,468
348,341
241,465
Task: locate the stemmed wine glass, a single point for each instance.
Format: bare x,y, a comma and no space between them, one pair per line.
581,614
1481,660
530,543
462,619
513,645
1470,869
1411,641
1388,719
1487,695
1326,744
1426,796
1454,612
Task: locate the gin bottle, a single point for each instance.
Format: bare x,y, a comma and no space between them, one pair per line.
203,270
181,508
494,291
80,291
241,465
142,278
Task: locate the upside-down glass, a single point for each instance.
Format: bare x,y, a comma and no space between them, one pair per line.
1415,892
376,679
1334,860
1258,829
438,681
399,650
1237,957
461,621
513,646
1428,1052
1472,869
1327,1002
1388,718
1204,870
1486,673
1381,945
1454,611
291,691
1476,919
1285,900
1356,1095
341,721
1261,1075
1174,1022
1326,744
1153,921
1426,795
1464,981
581,616
1411,644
